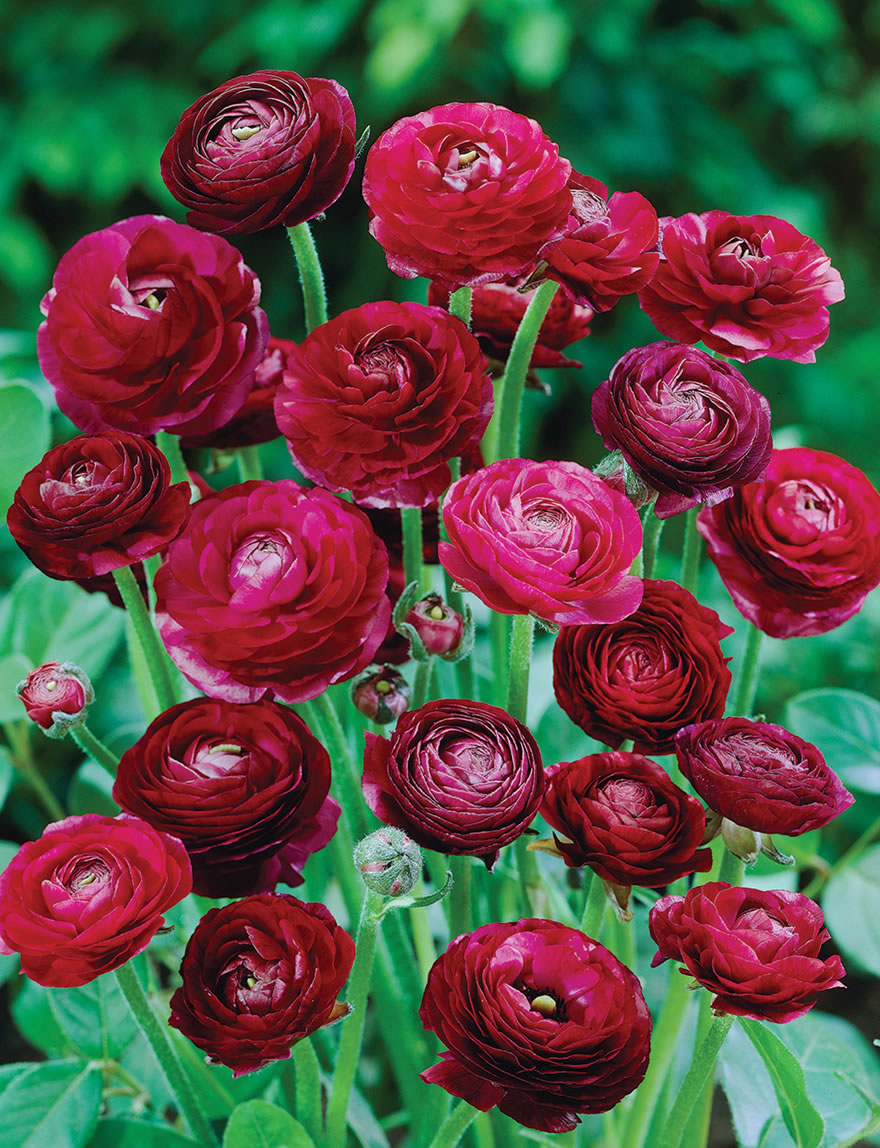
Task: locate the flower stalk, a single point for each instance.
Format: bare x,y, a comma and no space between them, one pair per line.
157,660
310,274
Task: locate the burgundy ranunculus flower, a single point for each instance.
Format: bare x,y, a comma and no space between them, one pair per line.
88,896
439,627
151,325
647,676
497,310
465,193
538,1019
610,247
800,550
273,588
56,696
244,787
690,426
543,538
95,504
261,150
747,286
620,814
760,776
377,400
757,950
460,777
258,976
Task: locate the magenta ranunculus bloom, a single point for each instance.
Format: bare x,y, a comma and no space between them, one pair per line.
273,589
460,777
56,696
543,538
690,426
258,976
620,814
800,550
377,400
756,950
760,776
244,787
261,150
151,325
88,896
465,193
538,1019
747,286
610,247
95,504
646,676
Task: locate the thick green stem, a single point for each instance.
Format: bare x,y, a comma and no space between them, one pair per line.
499,636
93,747
594,907
652,528
157,660
422,683
460,912
423,942
320,714
310,275
249,465
18,735
308,1088
353,1027
169,444
747,683
413,567
460,305
160,1042
454,1127
520,664
701,1071
690,555
731,868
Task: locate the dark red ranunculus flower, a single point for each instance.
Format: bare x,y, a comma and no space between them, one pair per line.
88,896
757,950
747,286
460,777
377,400
798,551
538,1019
620,814
610,247
465,193
544,538
261,150
95,504
56,696
690,426
760,776
151,325
497,310
647,676
244,787
273,589
259,975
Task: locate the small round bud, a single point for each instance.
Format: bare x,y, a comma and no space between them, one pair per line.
56,696
743,843
440,627
381,694
389,862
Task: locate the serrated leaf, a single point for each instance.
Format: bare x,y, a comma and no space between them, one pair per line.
845,725
95,1017
55,1104
258,1124
803,1122
24,432
850,903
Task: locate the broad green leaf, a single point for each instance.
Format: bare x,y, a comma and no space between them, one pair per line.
24,432
35,1020
850,902
803,1122
125,1132
8,850
7,774
91,791
95,1017
845,725
54,1104
14,668
8,1072
257,1124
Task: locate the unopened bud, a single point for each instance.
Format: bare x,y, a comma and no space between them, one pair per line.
743,843
440,627
390,863
56,696
381,694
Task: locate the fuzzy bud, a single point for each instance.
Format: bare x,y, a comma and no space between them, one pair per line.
389,862
381,694
56,696
440,627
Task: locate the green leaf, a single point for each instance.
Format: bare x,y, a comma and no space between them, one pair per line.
803,1122
14,668
24,432
125,1132
850,903
9,1072
845,725
258,1124
53,1104
35,1020
95,1017
7,773
91,791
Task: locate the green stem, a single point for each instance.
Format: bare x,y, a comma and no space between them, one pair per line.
353,1029
520,664
460,305
499,637
308,1088
460,911
422,683
310,275
731,868
652,528
502,437
423,942
855,851
700,1072
169,444
93,747
690,555
140,672
18,735
747,683
160,1042
320,714
155,656
249,465
151,567
411,524
594,908
454,1127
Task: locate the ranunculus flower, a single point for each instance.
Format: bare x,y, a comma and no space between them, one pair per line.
543,538
95,504
747,286
760,776
690,426
609,248
620,814
460,777
465,193
261,150
259,975
273,589
538,1019
244,787
56,696
647,676
439,627
151,325
88,896
800,550
377,400
497,310
757,950
381,694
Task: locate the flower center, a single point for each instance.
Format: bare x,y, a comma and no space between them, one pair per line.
588,207
85,872
387,362
626,795
244,131
544,1001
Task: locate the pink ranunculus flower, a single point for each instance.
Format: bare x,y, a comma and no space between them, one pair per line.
543,538
465,193
747,286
